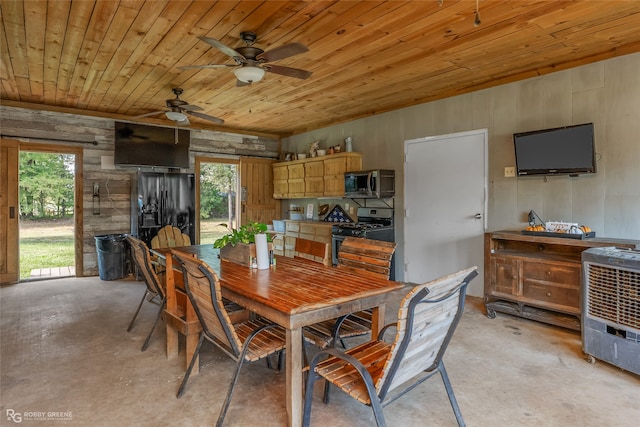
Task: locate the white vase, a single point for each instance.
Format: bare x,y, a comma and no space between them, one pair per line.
262,251
347,144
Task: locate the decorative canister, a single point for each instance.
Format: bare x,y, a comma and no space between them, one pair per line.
348,147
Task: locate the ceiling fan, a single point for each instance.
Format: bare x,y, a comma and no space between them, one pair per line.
252,62
178,110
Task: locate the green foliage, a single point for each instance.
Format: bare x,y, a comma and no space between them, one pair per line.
244,234
217,190
45,251
46,185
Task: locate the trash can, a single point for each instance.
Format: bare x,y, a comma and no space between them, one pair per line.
112,252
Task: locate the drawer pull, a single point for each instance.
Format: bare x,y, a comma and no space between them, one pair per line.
548,294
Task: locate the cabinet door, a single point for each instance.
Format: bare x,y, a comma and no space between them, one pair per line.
296,171
314,179
504,276
280,181
280,172
334,170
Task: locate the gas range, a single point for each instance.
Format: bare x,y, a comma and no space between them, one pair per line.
373,223
357,228
370,221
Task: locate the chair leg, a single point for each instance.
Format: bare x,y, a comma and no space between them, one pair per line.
138,310
308,397
232,386
227,400
146,342
327,389
452,397
193,362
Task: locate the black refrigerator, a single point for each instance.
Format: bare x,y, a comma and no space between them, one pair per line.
159,199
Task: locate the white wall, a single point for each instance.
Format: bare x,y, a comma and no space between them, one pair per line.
606,93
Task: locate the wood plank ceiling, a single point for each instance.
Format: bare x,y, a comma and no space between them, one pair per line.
119,58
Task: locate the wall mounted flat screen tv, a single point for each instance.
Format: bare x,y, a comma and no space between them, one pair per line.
144,145
568,150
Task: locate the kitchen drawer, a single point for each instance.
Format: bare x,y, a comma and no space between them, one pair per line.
292,226
558,296
307,229
307,236
551,273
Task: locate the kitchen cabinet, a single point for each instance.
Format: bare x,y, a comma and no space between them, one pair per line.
334,170
280,181
537,277
314,177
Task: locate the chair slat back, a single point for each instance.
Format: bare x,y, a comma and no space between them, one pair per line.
366,256
142,258
203,288
313,250
427,318
170,237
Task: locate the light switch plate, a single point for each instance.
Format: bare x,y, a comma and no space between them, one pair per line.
509,171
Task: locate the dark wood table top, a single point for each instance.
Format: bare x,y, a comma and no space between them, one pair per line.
293,285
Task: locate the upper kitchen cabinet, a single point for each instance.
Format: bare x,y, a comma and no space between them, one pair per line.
314,177
334,169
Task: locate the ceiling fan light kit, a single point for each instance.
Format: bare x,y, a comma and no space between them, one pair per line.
178,109
249,59
249,74
175,116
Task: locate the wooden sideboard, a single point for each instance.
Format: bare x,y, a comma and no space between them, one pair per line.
537,277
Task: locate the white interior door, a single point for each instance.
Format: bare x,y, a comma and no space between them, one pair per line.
445,206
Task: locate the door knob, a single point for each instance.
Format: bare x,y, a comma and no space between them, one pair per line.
478,216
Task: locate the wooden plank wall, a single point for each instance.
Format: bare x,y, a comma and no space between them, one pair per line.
96,137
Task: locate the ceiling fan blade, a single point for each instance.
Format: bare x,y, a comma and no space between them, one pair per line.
282,52
206,117
150,114
222,47
288,71
190,107
193,67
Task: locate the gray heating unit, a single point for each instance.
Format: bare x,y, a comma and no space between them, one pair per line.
611,306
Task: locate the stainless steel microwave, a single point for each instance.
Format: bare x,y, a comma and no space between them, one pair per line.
370,184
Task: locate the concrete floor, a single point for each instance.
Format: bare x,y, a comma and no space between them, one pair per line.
64,348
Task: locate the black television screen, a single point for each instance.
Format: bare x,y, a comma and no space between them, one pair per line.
568,150
144,145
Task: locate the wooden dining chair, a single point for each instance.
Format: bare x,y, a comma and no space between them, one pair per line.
247,341
361,256
312,250
170,237
154,286
427,319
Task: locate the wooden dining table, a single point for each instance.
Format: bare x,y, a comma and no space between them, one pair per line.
292,293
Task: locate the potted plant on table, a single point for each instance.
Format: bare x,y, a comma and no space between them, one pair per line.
239,245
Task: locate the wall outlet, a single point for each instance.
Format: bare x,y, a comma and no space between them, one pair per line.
346,207
509,171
